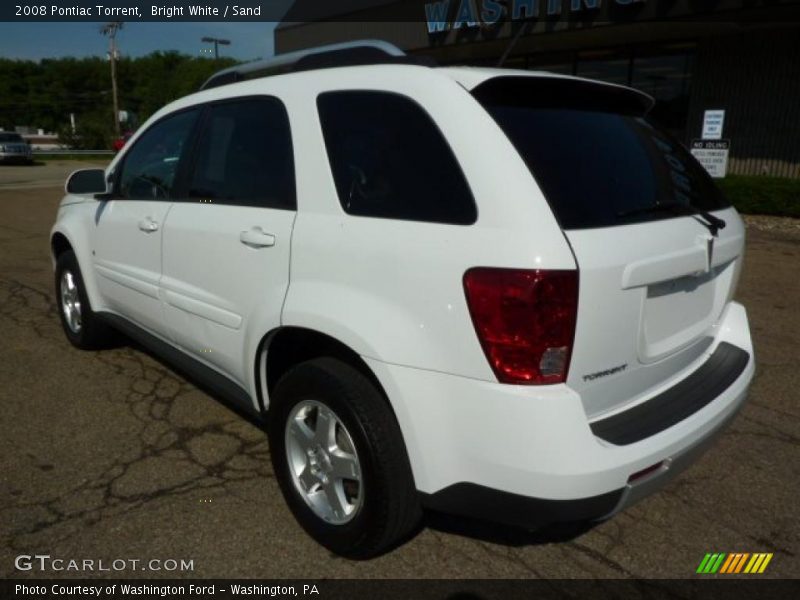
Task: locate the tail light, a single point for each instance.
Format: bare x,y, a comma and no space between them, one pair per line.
525,321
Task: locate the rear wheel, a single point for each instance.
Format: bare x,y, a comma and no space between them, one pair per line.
81,325
340,459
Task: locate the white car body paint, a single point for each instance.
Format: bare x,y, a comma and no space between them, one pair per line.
392,291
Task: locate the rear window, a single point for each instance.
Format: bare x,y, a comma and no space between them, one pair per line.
594,154
10,137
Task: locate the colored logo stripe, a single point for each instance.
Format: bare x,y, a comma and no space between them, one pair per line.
758,563
727,564
711,563
734,563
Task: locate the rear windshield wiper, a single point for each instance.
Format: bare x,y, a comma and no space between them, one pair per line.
714,224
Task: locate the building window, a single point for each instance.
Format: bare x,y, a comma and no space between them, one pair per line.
611,69
666,78
663,73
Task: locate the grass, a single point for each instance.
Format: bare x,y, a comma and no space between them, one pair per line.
760,195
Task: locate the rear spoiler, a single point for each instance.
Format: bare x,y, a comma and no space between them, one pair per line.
562,92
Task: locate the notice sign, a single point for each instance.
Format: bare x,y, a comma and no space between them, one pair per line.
713,155
713,121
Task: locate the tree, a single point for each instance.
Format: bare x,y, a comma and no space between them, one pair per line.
43,94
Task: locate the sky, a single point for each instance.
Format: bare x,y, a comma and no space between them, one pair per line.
34,41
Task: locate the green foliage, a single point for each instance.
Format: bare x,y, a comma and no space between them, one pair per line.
763,195
43,94
93,131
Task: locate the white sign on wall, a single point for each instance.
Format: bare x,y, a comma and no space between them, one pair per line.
713,155
713,120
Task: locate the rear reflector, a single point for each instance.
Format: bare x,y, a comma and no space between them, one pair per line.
645,472
525,321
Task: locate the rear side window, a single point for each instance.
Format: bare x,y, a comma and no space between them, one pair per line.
149,168
244,155
597,159
389,159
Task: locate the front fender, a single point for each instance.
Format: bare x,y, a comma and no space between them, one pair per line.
74,222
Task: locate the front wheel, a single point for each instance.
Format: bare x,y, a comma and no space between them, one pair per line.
340,459
81,325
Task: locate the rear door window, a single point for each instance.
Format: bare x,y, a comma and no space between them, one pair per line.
244,155
597,159
389,159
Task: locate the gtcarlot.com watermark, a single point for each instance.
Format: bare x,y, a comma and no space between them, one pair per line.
47,563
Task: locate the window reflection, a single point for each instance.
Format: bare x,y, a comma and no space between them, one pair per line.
609,70
666,78
663,73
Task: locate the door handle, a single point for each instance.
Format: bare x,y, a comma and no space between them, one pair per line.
257,238
148,225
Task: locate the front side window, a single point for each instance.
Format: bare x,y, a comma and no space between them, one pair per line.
244,155
389,159
150,166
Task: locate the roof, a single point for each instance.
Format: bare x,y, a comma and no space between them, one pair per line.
356,52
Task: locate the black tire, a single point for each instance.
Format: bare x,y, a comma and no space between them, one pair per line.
389,510
93,334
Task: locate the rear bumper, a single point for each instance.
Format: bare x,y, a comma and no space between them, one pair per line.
673,405
527,455
477,501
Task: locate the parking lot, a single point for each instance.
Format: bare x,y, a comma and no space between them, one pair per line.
112,455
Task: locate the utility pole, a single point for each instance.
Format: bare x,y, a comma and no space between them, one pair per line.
110,29
217,43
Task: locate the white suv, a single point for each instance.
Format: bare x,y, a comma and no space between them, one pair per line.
497,293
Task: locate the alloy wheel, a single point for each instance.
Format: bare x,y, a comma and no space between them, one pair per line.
70,301
323,462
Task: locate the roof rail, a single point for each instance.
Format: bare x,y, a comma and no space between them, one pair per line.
360,52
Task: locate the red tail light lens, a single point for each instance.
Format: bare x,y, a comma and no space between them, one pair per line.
525,321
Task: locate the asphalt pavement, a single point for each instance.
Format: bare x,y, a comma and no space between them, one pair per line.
112,455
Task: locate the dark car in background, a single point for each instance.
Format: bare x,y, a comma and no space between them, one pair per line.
13,148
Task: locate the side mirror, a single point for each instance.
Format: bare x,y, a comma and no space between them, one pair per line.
87,181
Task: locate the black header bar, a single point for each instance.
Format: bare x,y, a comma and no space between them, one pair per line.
697,588
452,14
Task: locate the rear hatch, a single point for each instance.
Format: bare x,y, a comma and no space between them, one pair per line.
657,246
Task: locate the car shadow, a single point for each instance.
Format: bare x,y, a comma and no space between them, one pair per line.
468,527
121,341
505,535
22,163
